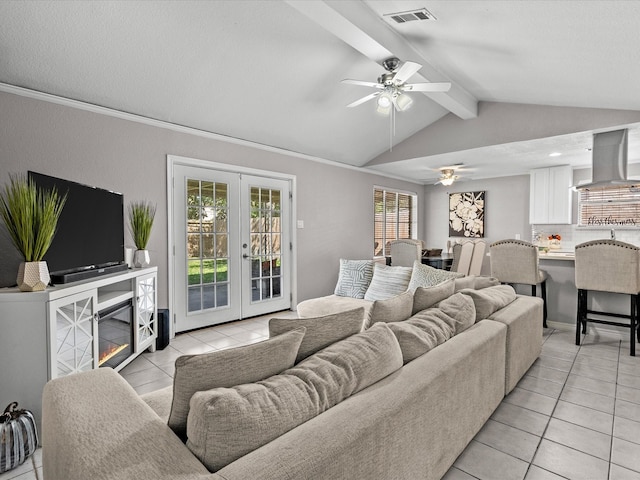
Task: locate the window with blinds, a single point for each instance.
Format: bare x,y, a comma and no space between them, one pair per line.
609,206
394,218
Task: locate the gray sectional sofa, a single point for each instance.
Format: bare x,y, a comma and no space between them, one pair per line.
367,406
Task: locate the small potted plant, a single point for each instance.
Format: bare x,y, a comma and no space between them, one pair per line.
141,215
31,216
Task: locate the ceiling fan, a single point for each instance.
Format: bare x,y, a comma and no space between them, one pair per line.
392,86
448,174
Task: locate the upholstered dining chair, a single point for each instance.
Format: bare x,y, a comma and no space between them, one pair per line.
405,251
608,266
462,255
516,261
477,257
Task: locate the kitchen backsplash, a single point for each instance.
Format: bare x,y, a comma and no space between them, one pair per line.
573,235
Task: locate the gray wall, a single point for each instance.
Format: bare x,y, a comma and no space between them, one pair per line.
130,157
506,210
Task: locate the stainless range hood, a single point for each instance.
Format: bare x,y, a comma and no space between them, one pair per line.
609,161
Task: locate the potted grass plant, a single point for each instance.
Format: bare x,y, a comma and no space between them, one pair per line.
141,215
31,215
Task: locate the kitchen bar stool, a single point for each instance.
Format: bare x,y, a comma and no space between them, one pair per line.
608,266
516,261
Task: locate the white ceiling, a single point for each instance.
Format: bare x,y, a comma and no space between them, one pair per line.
269,71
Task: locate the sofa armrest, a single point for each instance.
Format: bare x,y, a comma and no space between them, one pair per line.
94,425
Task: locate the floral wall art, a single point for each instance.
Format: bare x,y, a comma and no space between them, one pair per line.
466,214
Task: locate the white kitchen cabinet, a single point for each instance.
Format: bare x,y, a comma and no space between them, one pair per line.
57,332
550,195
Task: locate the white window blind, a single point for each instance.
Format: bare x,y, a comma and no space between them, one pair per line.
394,218
609,206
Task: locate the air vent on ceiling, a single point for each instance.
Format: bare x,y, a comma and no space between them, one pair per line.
411,15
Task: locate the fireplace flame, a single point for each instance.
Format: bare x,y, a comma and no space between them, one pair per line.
111,352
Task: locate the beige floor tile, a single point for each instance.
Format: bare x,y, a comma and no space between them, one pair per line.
521,418
570,463
585,417
507,439
602,403
481,461
626,429
627,410
537,473
616,472
591,385
531,400
626,454
540,385
579,438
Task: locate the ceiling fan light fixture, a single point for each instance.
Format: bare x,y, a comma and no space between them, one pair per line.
384,100
447,181
403,102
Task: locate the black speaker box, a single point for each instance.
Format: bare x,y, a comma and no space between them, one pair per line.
164,329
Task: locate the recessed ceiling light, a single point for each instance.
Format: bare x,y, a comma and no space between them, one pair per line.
555,154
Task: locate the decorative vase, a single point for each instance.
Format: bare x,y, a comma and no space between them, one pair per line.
141,258
33,276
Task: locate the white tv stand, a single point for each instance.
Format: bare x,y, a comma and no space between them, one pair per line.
44,335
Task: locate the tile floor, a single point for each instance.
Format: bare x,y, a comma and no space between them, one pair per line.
575,414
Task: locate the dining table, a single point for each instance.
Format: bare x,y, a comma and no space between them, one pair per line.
442,261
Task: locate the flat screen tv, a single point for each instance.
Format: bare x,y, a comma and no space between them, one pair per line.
90,233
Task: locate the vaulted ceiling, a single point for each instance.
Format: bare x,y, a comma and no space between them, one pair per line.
269,72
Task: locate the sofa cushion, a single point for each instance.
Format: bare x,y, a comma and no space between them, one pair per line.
427,276
320,332
321,306
394,309
226,368
465,282
490,299
482,281
427,297
429,328
388,282
226,424
160,401
354,278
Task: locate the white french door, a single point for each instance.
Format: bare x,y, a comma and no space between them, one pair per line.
232,246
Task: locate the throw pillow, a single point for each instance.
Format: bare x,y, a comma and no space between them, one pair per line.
388,282
490,299
427,297
429,328
320,332
354,278
427,276
226,368
226,424
394,309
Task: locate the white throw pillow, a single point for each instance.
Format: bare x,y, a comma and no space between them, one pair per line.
388,282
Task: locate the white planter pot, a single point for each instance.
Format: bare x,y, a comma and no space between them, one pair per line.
141,258
33,276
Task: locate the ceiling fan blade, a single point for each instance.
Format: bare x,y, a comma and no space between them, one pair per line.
363,84
427,87
363,99
405,72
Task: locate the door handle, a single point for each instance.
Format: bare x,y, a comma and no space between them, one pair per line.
244,255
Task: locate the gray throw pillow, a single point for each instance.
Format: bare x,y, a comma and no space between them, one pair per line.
490,299
427,297
427,276
320,331
394,309
226,368
431,327
354,278
388,282
227,423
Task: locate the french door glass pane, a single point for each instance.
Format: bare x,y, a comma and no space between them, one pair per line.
207,245
266,248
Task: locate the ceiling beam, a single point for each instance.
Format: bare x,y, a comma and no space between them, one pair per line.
361,28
